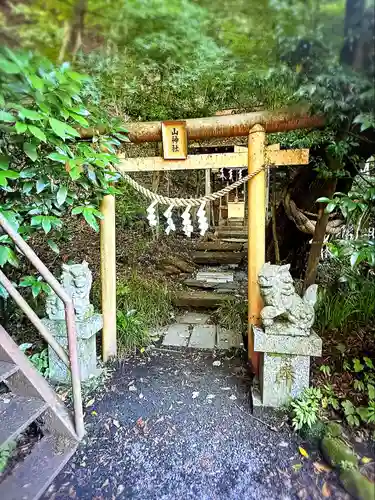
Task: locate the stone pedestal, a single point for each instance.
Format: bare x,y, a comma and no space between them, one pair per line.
86,343
286,364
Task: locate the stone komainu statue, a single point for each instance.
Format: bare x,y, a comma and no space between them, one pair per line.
77,281
285,312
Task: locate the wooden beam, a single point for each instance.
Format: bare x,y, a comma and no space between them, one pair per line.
243,149
256,234
194,162
108,276
287,157
221,126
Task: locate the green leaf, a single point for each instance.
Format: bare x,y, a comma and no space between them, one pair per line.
41,184
330,207
61,195
77,210
7,174
4,162
357,365
6,117
78,77
21,127
37,132
371,391
36,289
58,157
90,219
369,363
36,82
62,129
9,67
46,225
354,258
30,150
30,114
79,119
53,246
27,187
323,199
7,255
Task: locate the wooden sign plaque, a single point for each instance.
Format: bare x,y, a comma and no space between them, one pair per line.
174,137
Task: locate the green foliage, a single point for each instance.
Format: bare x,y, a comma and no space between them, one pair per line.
46,171
39,359
232,315
143,300
346,304
36,285
305,409
5,453
132,333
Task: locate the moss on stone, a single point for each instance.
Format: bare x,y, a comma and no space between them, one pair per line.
357,485
335,451
333,429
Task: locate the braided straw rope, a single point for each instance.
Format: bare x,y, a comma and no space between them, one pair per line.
187,202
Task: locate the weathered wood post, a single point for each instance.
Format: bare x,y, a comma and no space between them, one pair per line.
108,275
256,233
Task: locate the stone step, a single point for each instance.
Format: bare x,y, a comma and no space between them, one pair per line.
228,286
231,234
215,276
7,369
219,246
213,258
16,414
31,477
200,299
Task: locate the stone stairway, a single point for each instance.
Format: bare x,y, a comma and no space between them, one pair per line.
219,278
27,398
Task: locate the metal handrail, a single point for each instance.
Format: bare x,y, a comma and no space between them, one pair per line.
69,318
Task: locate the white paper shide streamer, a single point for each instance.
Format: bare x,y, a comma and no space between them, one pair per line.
186,222
151,214
170,224
202,219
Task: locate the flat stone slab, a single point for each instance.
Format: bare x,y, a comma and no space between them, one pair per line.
203,337
193,318
177,335
282,344
228,339
215,276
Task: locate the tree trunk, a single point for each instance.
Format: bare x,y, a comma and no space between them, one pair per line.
73,36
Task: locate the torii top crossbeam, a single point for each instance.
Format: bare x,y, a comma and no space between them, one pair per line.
225,126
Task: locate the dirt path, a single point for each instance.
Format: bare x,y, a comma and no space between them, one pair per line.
175,426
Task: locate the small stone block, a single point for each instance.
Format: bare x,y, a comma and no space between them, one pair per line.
227,339
177,335
203,337
282,344
283,377
193,318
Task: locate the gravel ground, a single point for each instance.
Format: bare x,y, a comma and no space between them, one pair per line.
175,425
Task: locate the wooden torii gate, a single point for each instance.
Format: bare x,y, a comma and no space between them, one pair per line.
254,126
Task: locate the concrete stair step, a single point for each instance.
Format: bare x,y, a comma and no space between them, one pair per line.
16,414
31,477
7,369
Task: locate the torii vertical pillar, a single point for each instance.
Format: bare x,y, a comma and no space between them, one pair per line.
256,233
108,275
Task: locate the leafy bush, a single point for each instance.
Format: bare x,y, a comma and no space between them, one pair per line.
132,333
306,409
232,315
5,453
39,359
142,304
352,301
46,170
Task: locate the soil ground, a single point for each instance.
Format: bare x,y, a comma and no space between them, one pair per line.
175,425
